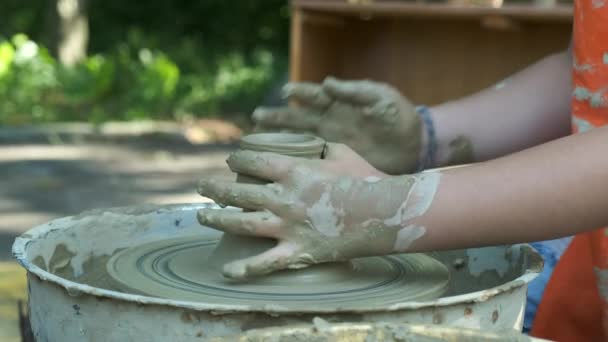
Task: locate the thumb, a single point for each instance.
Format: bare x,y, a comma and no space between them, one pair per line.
336,151
274,259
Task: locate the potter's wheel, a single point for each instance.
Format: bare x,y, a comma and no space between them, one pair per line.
178,269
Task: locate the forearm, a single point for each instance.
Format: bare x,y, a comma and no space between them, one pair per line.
527,109
549,191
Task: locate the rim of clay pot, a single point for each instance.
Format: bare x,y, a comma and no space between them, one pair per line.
21,243
285,143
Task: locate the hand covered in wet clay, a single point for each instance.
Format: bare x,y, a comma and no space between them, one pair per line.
318,210
370,117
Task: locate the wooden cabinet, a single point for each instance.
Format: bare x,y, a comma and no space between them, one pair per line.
431,52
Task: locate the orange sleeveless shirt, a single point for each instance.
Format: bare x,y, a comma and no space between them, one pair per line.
574,306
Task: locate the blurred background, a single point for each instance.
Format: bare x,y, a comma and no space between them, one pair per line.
85,60
112,103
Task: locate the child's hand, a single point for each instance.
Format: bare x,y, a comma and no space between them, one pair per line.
318,210
372,118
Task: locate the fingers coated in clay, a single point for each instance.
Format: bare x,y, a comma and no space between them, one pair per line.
246,196
258,223
272,260
308,94
391,138
385,109
263,165
287,117
355,92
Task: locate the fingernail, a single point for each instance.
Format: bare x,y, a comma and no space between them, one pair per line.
234,156
202,216
235,270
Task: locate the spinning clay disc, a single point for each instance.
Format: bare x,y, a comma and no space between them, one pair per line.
179,269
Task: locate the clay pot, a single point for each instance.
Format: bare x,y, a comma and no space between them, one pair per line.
232,247
289,144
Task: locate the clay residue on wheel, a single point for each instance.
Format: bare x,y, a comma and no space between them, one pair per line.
94,268
131,211
181,269
98,234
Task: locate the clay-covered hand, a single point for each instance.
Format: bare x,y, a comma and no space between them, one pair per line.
370,117
318,210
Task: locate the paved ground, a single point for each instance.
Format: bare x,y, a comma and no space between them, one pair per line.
71,168
41,181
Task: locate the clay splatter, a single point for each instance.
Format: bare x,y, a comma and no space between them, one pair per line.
602,281
321,325
324,218
479,262
372,179
461,151
582,67
406,236
581,125
501,84
581,93
418,199
596,99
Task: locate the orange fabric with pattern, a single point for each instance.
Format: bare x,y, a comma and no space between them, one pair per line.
575,303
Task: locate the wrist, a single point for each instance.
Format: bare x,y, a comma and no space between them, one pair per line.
447,145
454,146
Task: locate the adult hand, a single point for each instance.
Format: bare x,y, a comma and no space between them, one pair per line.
372,118
319,211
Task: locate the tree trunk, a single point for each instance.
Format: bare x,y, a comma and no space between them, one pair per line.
73,31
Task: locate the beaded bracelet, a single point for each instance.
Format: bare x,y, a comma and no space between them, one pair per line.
428,157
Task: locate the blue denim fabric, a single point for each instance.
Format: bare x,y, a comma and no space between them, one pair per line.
551,251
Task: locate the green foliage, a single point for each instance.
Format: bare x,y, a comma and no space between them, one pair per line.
28,75
159,60
234,85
